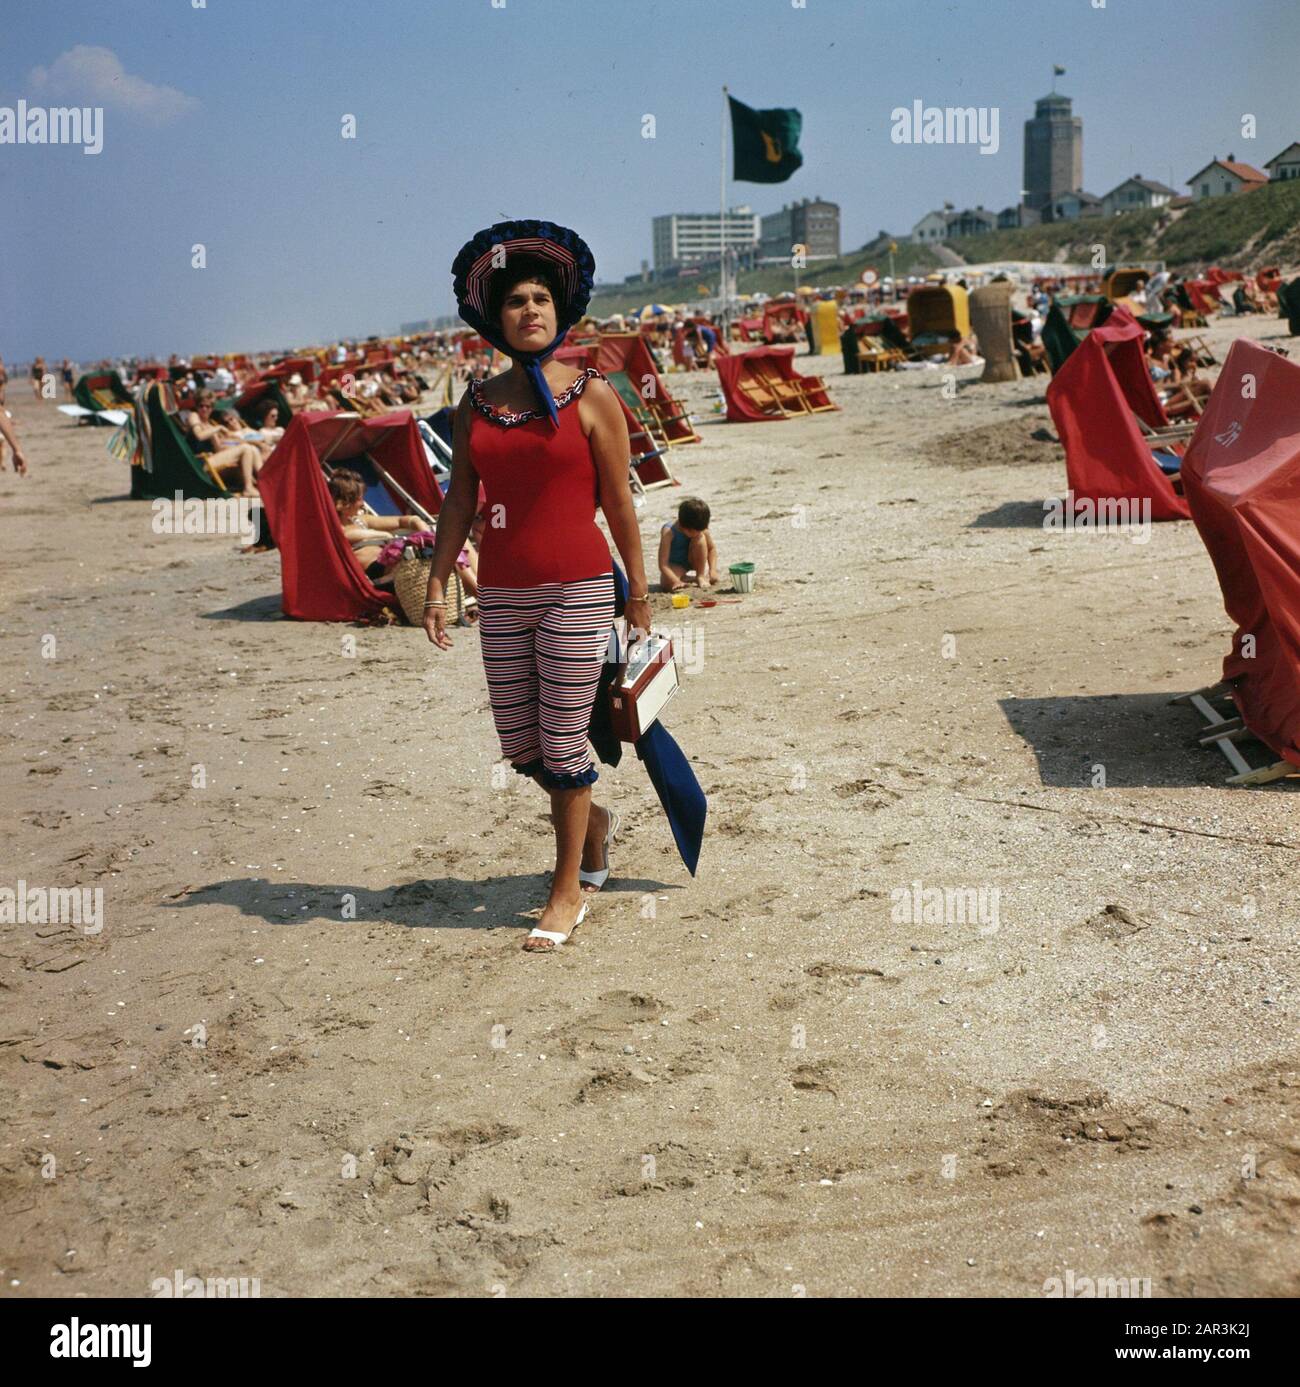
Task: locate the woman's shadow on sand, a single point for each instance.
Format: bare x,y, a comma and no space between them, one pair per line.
447,903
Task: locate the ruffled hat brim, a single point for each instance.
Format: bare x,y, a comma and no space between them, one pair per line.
479,258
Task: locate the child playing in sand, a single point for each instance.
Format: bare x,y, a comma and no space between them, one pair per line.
687,546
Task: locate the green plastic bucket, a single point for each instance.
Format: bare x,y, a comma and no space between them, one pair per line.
742,576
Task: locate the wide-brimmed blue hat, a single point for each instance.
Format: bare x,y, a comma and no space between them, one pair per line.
484,254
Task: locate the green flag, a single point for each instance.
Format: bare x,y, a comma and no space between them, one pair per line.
765,143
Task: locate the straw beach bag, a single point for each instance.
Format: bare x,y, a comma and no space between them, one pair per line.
411,583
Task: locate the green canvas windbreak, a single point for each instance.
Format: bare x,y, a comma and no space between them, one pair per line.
1288,305
1059,338
765,144
248,402
103,390
175,467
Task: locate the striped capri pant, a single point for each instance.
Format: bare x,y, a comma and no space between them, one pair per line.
543,649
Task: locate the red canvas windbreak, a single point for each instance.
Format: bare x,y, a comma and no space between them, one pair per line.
331,374
304,366
774,361
1242,478
1093,399
627,351
576,354
733,369
320,577
788,313
1122,337
1204,295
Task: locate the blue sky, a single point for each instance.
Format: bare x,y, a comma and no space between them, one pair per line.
222,127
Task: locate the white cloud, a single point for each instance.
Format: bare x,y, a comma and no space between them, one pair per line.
95,76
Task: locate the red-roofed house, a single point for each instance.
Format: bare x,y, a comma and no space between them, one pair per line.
1225,176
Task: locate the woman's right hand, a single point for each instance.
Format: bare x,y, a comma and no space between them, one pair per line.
435,618
435,627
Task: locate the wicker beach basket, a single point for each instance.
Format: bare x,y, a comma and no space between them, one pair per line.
411,583
990,317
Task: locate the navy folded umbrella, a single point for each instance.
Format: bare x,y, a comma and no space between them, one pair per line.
670,772
678,789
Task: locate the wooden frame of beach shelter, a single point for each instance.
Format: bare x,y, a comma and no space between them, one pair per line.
1242,480
320,577
777,365
754,383
748,402
1096,400
878,344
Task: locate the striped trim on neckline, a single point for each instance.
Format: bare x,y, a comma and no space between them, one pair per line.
508,418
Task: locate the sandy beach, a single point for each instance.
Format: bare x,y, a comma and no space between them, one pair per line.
305,1046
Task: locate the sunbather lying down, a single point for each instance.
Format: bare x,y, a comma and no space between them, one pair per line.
371,536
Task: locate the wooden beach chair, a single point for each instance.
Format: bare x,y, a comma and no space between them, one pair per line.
875,355
787,393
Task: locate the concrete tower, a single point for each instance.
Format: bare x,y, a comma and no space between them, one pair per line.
1053,152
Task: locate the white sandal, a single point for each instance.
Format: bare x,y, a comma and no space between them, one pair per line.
554,936
599,878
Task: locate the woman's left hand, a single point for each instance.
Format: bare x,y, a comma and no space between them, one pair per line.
637,613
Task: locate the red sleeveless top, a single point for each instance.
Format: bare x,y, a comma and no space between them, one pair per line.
539,522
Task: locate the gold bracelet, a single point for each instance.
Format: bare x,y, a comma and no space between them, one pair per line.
642,598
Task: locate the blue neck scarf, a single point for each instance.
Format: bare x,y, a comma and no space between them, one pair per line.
532,364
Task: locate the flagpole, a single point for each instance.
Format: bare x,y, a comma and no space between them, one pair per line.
722,225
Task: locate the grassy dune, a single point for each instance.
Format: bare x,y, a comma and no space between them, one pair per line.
1242,230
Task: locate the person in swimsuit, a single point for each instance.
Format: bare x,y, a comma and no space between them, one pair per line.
38,376
9,436
550,444
366,533
687,546
229,457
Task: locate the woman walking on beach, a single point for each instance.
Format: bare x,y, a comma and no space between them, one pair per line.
549,443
